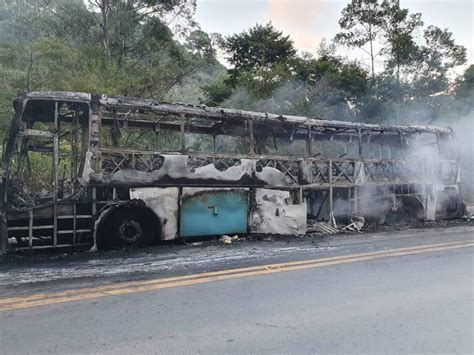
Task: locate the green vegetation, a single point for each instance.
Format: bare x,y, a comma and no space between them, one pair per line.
154,48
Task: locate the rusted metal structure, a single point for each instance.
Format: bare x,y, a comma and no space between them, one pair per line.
82,170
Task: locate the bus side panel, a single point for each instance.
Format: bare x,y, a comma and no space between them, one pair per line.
212,212
274,213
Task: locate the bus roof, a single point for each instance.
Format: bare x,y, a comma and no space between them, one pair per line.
224,113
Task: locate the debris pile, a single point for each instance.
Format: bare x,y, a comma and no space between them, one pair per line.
322,228
226,239
468,212
356,225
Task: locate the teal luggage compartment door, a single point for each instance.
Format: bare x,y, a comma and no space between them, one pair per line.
214,213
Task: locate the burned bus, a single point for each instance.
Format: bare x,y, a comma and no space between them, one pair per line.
87,170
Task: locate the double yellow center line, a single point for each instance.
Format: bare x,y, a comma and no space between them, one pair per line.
123,288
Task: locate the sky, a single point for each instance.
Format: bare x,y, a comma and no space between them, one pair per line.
309,21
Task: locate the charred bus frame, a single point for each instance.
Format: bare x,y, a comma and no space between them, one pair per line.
113,171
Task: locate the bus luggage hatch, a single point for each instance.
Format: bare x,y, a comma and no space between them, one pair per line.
213,212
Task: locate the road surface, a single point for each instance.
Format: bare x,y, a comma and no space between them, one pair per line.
400,292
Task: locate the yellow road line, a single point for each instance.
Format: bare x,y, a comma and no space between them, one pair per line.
232,271
14,303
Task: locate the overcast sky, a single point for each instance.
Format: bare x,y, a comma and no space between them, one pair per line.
308,21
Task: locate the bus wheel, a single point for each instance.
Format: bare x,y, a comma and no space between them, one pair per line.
126,227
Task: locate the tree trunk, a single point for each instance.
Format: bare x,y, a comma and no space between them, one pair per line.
372,58
104,10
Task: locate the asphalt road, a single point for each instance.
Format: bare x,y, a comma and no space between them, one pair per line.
400,294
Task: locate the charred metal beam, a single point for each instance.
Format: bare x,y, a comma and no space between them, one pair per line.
222,113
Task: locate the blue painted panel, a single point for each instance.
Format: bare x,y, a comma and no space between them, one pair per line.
214,213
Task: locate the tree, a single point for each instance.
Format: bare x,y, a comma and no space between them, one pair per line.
348,78
432,61
124,16
200,44
104,8
217,92
261,58
399,28
465,85
384,24
361,23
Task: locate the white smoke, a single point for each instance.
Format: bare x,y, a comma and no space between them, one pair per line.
464,130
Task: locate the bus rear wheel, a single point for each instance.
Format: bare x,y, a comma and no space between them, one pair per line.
126,227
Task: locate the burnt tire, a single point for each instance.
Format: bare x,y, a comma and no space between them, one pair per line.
127,227
410,210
